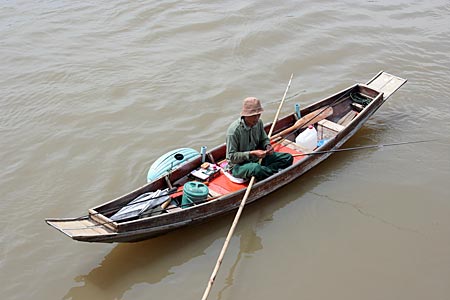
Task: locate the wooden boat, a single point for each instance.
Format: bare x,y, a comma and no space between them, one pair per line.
337,118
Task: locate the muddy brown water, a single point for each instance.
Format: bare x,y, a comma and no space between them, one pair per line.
92,93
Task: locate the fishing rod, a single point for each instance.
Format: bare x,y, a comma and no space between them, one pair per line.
171,191
159,210
363,147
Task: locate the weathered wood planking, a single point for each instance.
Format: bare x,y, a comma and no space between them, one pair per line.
345,120
386,83
80,227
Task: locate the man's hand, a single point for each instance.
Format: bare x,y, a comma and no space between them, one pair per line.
258,153
269,149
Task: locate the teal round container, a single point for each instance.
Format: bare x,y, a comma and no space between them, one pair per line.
193,192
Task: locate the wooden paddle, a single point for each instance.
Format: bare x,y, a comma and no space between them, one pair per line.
307,120
241,207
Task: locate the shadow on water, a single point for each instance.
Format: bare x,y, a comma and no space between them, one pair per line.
151,261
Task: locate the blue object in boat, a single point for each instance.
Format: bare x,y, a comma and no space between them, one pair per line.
297,111
203,153
321,142
171,161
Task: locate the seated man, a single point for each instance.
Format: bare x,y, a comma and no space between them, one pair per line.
247,142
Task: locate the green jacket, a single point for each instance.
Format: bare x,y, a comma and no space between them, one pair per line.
242,139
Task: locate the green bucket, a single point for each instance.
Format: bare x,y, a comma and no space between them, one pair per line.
193,192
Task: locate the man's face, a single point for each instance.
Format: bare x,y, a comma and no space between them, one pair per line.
252,120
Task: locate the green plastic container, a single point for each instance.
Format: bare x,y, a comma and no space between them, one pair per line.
193,192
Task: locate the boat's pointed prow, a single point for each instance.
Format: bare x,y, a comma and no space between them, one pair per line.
81,229
386,83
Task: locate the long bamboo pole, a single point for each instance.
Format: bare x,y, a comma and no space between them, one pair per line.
279,107
241,207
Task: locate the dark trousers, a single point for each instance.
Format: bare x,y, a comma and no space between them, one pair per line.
269,165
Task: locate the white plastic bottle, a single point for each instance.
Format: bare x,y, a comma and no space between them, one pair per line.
307,138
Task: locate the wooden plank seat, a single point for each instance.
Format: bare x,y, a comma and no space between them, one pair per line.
327,129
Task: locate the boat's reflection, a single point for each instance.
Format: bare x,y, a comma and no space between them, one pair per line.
151,261
148,261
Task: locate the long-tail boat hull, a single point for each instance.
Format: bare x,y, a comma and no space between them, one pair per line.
335,127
